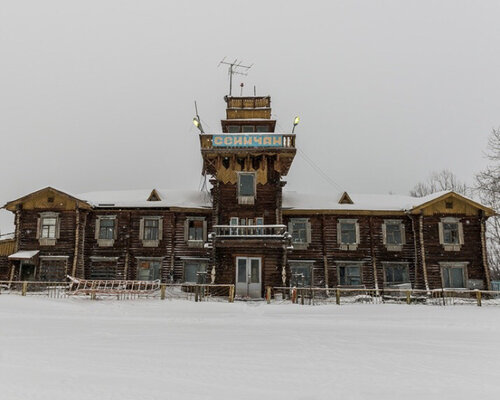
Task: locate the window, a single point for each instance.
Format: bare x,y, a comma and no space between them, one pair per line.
103,268
48,228
151,231
233,129
300,274
246,184
451,233
454,274
393,233
49,225
348,234
396,274
107,228
195,231
53,269
148,270
349,275
248,128
262,128
233,221
300,229
195,271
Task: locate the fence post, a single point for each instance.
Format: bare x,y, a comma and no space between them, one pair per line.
294,295
478,297
25,288
163,288
337,296
231,294
196,290
268,294
302,296
408,297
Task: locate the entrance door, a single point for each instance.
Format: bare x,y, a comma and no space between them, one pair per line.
249,277
27,272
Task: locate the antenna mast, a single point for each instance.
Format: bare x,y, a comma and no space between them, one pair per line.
235,68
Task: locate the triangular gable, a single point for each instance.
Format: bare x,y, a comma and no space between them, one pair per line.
345,199
47,198
154,196
451,203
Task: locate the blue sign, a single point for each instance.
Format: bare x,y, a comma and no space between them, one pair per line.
247,141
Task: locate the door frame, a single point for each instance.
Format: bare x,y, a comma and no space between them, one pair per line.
249,257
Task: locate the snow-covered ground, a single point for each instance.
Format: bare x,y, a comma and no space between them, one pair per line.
152,349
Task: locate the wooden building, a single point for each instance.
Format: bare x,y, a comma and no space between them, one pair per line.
248,230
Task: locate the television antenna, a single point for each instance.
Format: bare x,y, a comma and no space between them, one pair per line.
235,68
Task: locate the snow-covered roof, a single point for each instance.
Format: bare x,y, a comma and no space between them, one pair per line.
24,255
375,202
139,199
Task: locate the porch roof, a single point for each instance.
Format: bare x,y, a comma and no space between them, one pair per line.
24,255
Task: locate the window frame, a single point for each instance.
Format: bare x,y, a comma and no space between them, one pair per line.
142,231
348,246
102,242
247,199
455,246
394,246
49,240
195,242
300,244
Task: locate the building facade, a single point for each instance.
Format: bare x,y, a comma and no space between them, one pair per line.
248,230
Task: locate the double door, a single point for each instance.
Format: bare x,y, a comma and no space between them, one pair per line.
249,277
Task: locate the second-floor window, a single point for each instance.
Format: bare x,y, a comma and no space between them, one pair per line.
300,229
393,232
451,233
246,184
151,229
107,228
348,234
48,227
195,231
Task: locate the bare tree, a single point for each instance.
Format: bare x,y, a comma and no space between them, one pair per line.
488,190
439,181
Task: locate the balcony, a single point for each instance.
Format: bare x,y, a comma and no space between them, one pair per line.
229,235
254,231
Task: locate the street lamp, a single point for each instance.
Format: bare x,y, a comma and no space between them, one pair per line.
295,123
197,123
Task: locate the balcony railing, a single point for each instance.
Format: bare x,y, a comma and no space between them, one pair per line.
224,141
250,231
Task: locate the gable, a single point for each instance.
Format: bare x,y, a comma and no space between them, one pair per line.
452,203
154,196
345,199
47,198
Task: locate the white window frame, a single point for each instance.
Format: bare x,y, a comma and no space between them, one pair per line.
300,245
391,246
247,199
151,242
451,246
348,246
455,264
48,241
105,242
195,243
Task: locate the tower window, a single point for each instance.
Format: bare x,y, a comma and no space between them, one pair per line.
233,129
246,185
262,128
248,128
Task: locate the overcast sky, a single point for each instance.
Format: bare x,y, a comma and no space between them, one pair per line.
98,95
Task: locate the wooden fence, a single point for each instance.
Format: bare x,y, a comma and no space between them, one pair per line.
344,295
120,290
